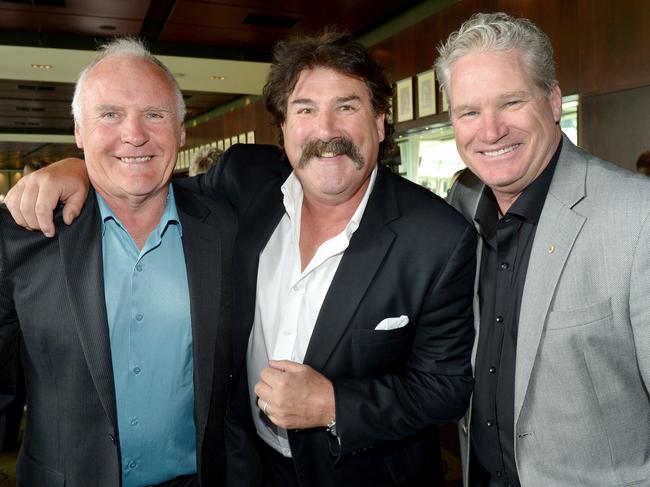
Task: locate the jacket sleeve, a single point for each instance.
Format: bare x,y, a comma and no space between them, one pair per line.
436,384
238,175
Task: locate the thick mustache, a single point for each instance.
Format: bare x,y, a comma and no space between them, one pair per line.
338,146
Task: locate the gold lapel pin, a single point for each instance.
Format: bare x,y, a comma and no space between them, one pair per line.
551,249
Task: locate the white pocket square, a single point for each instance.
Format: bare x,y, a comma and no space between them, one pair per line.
392,323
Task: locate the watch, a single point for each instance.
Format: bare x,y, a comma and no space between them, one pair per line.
331,428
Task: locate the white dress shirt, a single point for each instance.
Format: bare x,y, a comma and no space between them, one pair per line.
288,301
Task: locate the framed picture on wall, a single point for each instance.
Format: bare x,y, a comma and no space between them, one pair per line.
404,100
427,93
445,102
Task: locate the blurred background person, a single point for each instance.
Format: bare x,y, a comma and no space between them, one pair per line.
32,166
204,160
643,163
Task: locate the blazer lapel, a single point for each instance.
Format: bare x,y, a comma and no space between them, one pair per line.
359,264
80,243
256,227
203,259
557,231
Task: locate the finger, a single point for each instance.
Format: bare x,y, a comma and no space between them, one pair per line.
12,200
272,377
264,406
286,365
27,205
44,211
73,206
263,390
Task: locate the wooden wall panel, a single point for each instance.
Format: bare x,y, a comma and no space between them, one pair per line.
250,117
601,46
614,45
617,125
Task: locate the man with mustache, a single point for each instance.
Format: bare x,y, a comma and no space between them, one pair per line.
354,287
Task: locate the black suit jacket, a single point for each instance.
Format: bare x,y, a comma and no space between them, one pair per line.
53,319
412,255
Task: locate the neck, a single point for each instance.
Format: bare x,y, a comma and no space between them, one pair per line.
322,220
138,215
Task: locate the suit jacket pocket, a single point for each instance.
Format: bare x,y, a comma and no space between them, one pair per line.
366,337
31,473
378,352
580,316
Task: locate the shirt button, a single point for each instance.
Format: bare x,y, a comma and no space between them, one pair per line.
296,287
138,267
499,474
493,370
499,319
133,465
286,452
504,266
287,332
139,317
137,370
134,422
489,423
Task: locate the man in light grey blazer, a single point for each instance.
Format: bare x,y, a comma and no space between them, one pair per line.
562,361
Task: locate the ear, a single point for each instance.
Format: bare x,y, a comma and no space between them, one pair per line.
77,136
555,98
379,120
182,139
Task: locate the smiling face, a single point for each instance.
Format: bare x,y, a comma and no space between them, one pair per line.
331,135
507,129
129,129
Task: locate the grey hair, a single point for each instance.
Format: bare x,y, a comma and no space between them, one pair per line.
124,47
499,32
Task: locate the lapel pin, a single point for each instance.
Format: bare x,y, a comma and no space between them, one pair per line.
551,249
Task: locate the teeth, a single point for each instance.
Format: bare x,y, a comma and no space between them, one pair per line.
130,160
327,154
505,150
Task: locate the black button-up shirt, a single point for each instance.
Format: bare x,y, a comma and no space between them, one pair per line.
507,244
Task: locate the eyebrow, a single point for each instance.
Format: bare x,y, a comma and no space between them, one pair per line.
502,97
107,107
340,99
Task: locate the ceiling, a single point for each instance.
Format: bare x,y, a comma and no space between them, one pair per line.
219,51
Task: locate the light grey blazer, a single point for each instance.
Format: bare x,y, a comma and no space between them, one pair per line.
582,379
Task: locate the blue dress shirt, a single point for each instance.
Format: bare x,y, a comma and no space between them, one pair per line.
148,308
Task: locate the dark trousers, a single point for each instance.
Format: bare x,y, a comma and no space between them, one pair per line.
279,470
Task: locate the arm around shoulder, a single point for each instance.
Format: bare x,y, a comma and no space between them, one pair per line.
33,199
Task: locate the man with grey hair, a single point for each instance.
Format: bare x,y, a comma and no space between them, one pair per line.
121,322
562,363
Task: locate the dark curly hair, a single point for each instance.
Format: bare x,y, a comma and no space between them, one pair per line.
332,50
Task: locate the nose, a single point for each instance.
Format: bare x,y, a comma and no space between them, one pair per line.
327,126
134,131
493,127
